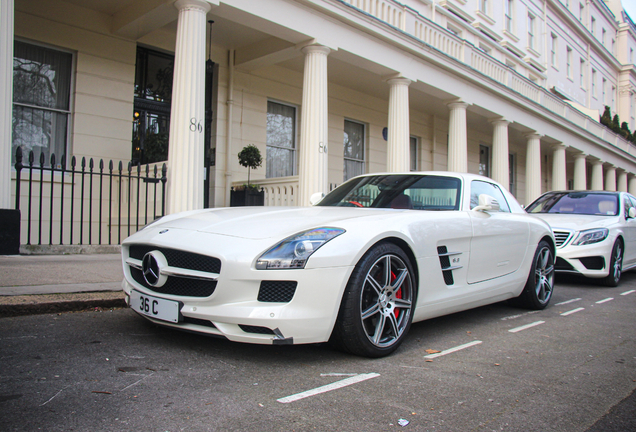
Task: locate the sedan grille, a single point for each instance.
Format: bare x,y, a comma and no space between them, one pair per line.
561,237
175,284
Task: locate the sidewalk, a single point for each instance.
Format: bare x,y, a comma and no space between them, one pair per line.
34,284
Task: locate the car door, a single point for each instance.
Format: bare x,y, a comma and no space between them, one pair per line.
500,238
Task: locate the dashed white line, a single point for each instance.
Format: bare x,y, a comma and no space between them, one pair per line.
568,301
527,326
333,386
605,300
452,350
628,292
572,311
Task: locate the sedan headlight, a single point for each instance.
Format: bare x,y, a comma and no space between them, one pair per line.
591,236
294,251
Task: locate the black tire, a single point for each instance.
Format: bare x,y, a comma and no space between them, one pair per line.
540,284
378,303
615,266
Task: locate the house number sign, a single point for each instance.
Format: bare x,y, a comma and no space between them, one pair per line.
195,126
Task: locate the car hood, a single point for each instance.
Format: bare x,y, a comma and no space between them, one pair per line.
268,222
576,222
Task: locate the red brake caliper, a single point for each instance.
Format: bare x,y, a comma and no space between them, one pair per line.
398,294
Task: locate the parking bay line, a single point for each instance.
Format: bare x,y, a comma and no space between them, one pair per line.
605,300
525,327
329,387
628,292
572,311
568,301
452,350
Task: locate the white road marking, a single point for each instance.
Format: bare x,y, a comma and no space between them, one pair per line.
337,374
605,300
452,350
568,301
333,386
628,292
527,326
572,311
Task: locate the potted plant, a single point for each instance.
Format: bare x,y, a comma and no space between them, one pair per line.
249,195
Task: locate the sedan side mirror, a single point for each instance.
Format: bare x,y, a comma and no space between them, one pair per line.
487,204
631,213
316,198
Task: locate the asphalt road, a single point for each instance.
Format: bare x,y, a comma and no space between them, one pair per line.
561,369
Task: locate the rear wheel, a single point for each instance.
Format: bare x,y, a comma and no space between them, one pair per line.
540,284
377,307
616,266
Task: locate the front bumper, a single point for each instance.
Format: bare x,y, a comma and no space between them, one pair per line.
234,311
590,260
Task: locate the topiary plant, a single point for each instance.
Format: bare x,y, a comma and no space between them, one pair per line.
250,157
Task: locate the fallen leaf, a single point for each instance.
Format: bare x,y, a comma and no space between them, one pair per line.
432,351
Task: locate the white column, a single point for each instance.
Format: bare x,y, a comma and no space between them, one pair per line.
6,99
610,178
580,173
621,180
559,178
597,175
313,166
457,137
185,153
533,167
500,159
632,184
398,125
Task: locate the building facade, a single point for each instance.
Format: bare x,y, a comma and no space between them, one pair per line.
326,89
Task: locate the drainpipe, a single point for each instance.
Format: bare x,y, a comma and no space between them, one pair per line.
228,128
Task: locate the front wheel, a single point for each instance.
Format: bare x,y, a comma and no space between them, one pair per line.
377,307
540,284
615,267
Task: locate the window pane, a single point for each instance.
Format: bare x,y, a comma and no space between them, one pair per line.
39,131
41,76
281,146
353,149
413,144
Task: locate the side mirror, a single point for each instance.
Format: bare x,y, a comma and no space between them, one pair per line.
487,204
316,198
631,213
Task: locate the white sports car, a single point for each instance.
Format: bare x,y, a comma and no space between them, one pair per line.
376,254
595,231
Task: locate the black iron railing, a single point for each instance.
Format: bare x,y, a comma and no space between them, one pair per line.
85,205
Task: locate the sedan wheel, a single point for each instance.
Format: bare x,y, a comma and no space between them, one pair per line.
540,284
616,266
377,307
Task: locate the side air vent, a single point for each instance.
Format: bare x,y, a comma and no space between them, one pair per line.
277,291
447,268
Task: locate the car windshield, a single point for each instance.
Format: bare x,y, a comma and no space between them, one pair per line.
585,203
419,192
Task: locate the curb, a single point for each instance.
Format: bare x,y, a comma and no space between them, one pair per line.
49,304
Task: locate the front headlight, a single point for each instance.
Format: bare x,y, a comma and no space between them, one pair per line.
591,236
294,251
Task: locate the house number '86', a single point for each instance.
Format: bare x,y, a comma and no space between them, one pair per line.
195,126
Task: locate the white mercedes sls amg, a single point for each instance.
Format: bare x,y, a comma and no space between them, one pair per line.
356,269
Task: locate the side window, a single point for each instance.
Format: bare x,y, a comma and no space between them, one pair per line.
478,187
627,204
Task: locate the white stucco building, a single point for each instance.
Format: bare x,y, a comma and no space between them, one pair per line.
326,89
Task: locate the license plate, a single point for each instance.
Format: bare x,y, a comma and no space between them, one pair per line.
155,307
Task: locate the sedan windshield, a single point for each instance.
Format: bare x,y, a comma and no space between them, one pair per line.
419,192
584,203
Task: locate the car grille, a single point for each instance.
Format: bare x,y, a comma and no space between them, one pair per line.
561,237
444,261
256,329
277,291
177,285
